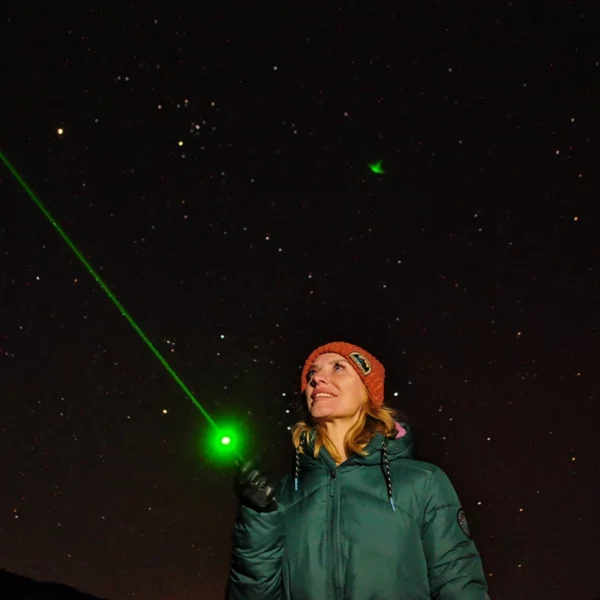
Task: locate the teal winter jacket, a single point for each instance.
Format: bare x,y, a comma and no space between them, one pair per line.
378,527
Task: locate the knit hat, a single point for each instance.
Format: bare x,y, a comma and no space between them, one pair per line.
368,368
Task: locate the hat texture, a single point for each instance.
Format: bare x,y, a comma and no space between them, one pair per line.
368,368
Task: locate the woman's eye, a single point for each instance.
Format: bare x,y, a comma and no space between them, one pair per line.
310,374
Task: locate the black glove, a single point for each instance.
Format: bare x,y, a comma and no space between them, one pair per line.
254,489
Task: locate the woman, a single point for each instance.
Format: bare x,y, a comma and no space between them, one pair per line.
359,519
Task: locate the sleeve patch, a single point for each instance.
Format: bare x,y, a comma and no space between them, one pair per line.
462,521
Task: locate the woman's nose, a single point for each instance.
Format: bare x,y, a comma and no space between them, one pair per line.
317,377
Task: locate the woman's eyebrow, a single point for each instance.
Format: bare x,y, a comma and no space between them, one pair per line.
331,362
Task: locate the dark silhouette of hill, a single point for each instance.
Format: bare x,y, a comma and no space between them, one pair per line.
18,587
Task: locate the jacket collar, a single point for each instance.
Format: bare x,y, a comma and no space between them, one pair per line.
401,447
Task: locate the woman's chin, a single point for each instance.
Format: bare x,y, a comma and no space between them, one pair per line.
318,413
320,416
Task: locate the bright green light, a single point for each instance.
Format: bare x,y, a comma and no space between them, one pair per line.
377,168
224,446
232,448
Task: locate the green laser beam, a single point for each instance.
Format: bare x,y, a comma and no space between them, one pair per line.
225,440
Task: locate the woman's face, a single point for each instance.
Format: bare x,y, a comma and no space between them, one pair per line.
334,390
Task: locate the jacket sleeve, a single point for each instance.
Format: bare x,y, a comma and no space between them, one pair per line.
256,560
454,566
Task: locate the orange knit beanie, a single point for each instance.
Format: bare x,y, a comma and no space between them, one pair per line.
368,368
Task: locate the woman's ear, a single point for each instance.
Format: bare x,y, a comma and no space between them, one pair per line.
367,395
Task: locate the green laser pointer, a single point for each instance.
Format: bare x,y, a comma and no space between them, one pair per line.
225,439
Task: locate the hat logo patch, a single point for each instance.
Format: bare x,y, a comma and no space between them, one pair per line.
361,361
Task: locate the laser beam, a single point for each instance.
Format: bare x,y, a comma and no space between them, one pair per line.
223,438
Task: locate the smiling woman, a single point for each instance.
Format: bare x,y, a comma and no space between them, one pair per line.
359,518
341,415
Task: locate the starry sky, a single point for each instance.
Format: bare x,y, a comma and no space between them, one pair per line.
252,182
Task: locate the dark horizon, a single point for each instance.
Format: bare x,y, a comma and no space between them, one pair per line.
18,587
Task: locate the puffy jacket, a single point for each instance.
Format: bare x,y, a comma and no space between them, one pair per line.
378,527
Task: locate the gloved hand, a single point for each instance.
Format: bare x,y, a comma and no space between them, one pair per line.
254,488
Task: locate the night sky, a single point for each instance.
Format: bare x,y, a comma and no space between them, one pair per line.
214,168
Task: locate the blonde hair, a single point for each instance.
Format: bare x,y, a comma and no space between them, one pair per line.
371,420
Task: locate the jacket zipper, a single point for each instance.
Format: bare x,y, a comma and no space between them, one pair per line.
334,531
